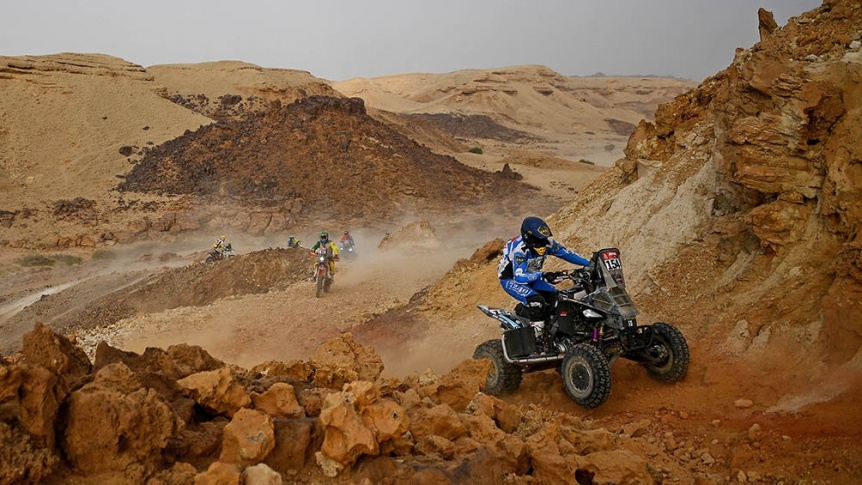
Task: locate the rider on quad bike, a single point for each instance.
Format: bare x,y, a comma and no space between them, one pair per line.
347,240
347,246
520,270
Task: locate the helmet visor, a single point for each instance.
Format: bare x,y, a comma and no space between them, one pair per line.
535,242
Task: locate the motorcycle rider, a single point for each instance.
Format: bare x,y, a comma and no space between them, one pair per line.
520,268
347,240
220,246
293,242
331,252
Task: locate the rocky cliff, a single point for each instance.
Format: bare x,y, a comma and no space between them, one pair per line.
742,198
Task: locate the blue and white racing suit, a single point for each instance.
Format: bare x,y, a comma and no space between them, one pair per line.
520,272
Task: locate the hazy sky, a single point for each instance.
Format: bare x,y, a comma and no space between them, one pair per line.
338,40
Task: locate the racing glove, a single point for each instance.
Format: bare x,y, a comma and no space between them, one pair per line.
550,276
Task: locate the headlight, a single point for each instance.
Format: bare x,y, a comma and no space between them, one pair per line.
592,314
321,259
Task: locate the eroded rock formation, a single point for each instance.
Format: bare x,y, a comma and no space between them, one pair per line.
169,416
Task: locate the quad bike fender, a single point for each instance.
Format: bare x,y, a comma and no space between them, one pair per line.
508,320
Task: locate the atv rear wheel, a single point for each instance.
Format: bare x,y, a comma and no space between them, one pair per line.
586,375
504,377
668,355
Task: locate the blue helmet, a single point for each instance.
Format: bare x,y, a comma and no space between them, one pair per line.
535,232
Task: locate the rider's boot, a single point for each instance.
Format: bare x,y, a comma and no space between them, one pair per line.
539,328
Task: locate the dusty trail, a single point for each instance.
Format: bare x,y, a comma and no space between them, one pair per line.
9,310
287,322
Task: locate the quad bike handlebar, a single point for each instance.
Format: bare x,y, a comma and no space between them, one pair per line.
576,275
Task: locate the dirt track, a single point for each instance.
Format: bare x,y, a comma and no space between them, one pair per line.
247,310
781,430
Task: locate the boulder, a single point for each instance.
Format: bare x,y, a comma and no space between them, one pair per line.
115,425
54,352
356,420
293,440
216,390
248,438
345,353
279,401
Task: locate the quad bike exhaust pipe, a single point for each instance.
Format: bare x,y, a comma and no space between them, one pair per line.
508,323
529,360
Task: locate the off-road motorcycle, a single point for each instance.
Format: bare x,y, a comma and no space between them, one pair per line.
322,276
592,324
216,255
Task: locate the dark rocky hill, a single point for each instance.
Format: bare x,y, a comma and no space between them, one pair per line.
320,155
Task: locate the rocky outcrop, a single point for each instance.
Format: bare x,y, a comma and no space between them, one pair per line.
271,159
114,424
126,421
766,23
743,193
72,63
358,421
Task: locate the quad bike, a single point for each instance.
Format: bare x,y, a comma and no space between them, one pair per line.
347,251
216,255
322,276
592,324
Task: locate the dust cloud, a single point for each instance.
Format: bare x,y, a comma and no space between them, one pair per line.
288,322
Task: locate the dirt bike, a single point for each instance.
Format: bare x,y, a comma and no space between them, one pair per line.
216,255
322,277
592,324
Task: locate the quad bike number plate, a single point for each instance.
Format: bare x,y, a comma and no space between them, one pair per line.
611,260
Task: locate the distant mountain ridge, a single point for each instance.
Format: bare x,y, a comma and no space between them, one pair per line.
572,116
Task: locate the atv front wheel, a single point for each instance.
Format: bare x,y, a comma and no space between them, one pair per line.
667,357
504,377
586,375
319,283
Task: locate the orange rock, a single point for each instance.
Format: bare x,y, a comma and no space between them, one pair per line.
279,401
248,438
